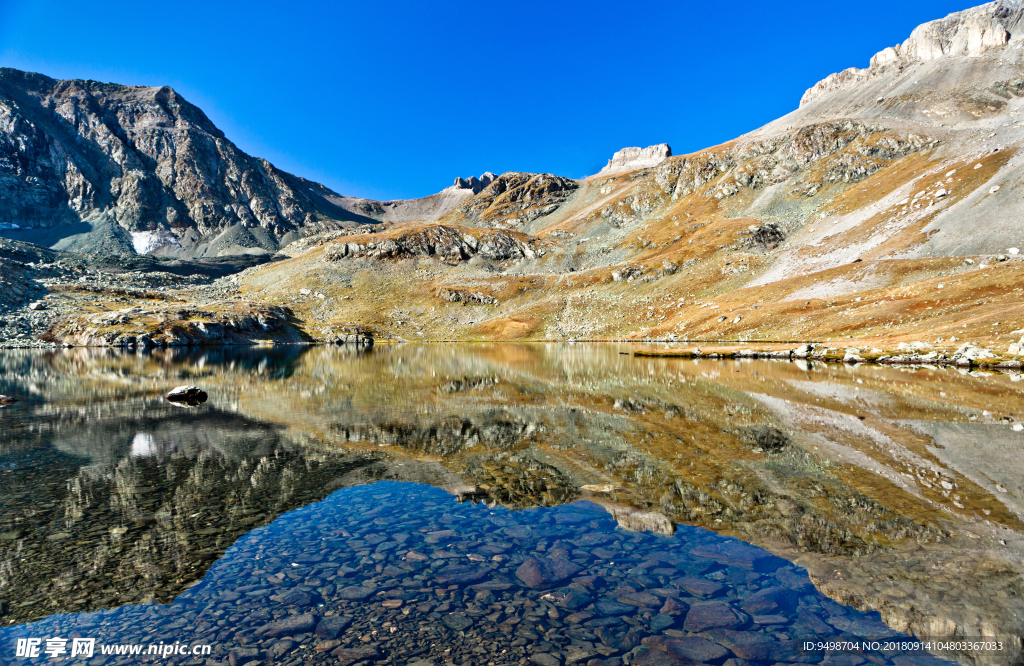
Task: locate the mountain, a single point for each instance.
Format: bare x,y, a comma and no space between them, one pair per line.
100,167
425,209
94,166
883,211
840,221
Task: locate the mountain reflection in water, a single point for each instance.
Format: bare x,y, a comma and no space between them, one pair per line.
899,490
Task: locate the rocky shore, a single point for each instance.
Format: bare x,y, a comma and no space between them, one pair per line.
967,355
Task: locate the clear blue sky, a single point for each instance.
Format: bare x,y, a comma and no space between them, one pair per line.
396,99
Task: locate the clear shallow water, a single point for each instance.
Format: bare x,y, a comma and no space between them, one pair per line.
398,572
899,490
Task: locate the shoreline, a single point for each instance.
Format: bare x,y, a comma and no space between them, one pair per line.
710,350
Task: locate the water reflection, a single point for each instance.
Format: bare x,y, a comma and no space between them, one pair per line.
115,511
894,487
398,573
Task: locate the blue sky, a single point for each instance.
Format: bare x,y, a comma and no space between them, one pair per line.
395,99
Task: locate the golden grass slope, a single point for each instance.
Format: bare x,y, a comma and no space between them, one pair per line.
682,239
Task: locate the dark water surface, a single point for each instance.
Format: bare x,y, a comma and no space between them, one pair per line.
493,504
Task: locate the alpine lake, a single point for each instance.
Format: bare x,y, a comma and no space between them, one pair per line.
485,504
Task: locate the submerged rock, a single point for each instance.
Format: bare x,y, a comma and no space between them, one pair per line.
713,615
689,649
293,624
330,627
546,571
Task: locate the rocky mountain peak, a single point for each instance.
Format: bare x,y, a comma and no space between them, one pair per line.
100,166
473,183
970,33
632,158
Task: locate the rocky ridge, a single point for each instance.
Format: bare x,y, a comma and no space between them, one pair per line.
967,34
141,167
513,199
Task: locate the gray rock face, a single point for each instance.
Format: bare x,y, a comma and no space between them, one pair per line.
969,33
473,183
78,154
633,158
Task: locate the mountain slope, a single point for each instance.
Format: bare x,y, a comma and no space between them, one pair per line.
884,210
86,165
843,219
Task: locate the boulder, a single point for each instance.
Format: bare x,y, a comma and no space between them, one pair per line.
299,598
351,335
189,395
545,659
649,657
462,574
355,592
699,587
457,621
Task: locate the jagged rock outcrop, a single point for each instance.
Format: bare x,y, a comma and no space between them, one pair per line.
842,151
633,158
145,167
465,296
473,183
514,199
970,33
445,243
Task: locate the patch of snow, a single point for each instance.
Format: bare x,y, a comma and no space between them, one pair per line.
147,242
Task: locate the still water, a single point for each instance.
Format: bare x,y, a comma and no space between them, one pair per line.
501,504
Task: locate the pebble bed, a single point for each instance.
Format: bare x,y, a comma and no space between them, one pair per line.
401,573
